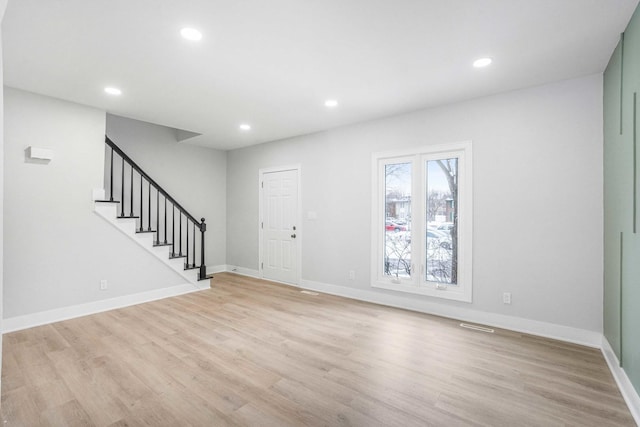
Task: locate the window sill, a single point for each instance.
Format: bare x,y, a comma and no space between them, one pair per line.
456,293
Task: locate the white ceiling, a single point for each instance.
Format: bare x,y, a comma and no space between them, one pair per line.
273,63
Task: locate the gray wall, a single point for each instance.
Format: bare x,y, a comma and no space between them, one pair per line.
194,176
537,198
56,249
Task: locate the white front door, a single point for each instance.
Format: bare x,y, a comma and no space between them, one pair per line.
280,230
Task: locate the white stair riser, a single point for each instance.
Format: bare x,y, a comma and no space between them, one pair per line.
106,209
127,225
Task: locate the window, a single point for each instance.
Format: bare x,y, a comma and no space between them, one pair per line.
422,221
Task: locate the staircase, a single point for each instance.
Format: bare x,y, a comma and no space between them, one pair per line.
141,209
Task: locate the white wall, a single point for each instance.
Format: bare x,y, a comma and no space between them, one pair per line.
56,250
537,199
194,176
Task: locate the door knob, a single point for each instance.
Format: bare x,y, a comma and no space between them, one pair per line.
293,236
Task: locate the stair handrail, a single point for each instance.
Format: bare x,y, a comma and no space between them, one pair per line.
157,186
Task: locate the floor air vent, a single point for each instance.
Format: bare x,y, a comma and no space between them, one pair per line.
476,328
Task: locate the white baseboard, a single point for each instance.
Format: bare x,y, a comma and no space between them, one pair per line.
627,390
213,269
243,271
518,324
17,323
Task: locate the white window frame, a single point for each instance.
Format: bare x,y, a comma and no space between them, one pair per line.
417,283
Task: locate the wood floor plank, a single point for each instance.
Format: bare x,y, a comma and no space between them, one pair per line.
333,412
68,414
248,414
51,394
249,352
19,408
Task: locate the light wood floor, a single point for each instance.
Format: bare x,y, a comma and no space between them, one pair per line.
249,352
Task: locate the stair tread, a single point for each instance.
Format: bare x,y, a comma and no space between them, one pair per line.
173,256
157,244
145,231
191,267
127,216
107,201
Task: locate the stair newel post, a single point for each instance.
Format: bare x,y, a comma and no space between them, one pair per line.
165,220
141,207
194,244
131,195
157,216
121,189
149,205
111,177
203,267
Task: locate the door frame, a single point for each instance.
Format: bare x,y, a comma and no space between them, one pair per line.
261,173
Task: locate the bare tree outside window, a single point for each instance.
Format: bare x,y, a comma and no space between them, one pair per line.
436,203
441,212
397,257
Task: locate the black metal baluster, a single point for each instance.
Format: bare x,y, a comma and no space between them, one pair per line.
194,244
173,230
157,216
141,206
180,235
111,178
187,246
165,220
203,267
149,211
131,195
121,189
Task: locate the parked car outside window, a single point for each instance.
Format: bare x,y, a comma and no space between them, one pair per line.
392,226
446,226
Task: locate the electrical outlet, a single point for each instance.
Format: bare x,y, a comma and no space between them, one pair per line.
506,297
352,275
103,285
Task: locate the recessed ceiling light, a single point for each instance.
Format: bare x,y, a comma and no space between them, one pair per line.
191,34
113,90
245,127
330,103
482,62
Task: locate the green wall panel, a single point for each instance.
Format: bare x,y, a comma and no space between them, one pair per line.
612,196
630,313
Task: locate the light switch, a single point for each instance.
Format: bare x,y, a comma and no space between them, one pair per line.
40,153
